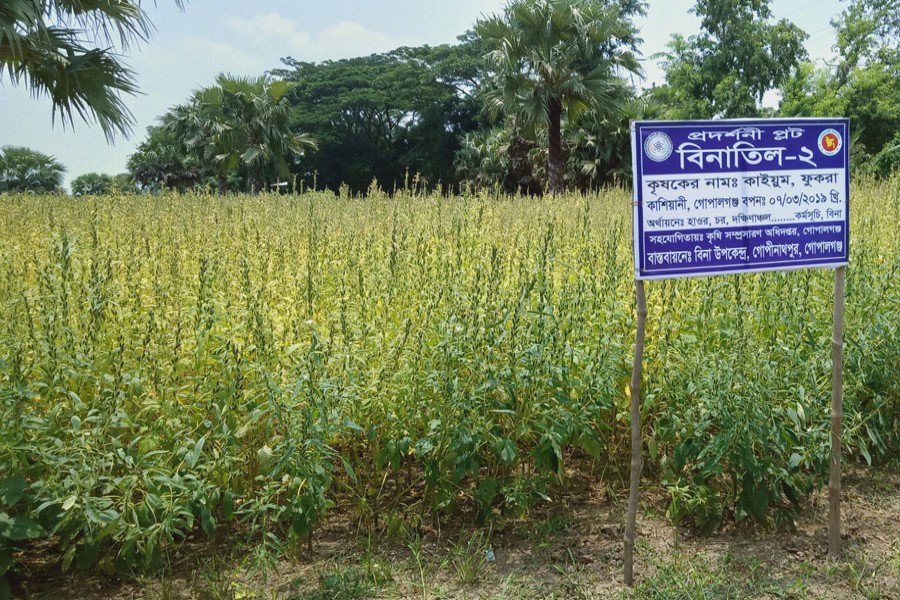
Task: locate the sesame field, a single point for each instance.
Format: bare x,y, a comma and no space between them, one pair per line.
261,372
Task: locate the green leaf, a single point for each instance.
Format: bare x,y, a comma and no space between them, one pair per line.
251,155
485,494
353,426
194,455
753,498
12,489
107,516
349,468
69,502
546,458
18,528
508,451
208,522
874,437
864,450
423,447
68,557
795,419
228,505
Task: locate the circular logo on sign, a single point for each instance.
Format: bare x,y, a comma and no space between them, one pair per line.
830,142
658,146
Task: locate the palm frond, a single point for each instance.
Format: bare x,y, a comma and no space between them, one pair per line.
66,50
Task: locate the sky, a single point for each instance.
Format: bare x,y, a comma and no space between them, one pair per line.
189,48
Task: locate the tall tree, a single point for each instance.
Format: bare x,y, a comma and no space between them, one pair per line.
863,85
385,115
556,57
739,56
65,49
26,170
92,184
163,161
240,124
867,31
598,148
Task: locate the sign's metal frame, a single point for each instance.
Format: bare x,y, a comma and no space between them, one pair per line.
718,177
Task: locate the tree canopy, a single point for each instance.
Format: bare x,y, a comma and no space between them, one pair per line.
161,161
96,184
864,84
552,58
537,98
386,115
867,31
239,128
726,69
26,170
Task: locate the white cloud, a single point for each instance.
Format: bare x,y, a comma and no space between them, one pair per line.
219,56
263,26
274,36
350,33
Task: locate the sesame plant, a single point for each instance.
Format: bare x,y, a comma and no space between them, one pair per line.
190,365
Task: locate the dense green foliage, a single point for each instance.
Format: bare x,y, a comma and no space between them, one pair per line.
91,184
98,184
598,151
160,162
386,117
176,363
724,71
535,99
27,170
868,31
864,85
239,127
65,49
555,59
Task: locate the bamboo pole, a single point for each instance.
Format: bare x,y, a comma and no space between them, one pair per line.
635,431
837,417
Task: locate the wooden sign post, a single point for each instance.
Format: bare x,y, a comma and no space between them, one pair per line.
739,196
636,370
837,417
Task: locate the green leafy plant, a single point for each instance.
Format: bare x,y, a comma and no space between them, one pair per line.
14,527
243,363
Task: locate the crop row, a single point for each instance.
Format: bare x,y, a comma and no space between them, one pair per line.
190,362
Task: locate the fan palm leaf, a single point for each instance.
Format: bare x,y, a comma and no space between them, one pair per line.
64,49
556,56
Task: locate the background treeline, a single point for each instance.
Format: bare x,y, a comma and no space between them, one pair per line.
480,113
537,98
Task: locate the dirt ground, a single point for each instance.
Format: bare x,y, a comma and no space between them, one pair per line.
571,549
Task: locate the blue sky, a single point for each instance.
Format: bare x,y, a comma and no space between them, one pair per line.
190,48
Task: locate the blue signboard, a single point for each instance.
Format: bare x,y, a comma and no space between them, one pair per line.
737,196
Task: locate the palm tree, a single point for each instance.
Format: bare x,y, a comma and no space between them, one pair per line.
556,57
49,46
240,123
258,135
26,170
92,184
162,161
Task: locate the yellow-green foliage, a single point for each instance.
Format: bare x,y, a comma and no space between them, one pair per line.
180,361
